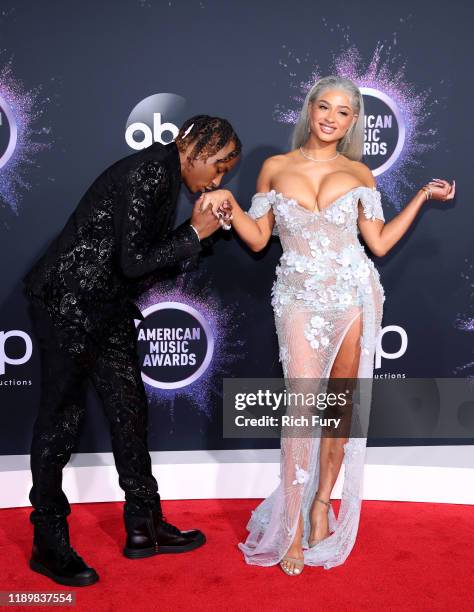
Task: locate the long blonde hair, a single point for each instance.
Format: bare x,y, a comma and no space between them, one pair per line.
352,144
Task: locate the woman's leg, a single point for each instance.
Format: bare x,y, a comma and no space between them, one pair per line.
302,366
345,366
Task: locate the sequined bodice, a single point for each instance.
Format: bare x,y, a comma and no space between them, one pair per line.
323,262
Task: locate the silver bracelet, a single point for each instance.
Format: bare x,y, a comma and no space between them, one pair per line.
197,233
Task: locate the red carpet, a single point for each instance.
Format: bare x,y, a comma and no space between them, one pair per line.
408,556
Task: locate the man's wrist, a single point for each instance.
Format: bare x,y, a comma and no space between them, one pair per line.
197,233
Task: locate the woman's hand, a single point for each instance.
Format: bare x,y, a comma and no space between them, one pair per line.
439,189
224,212
220,202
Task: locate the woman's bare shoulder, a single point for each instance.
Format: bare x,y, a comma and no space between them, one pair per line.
271,166
363,173
277,161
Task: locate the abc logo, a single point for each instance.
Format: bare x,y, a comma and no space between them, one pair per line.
381,353
4,358
146,125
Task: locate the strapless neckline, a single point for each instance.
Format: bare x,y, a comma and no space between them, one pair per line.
315,212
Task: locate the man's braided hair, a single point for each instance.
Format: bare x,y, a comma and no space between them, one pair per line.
209,135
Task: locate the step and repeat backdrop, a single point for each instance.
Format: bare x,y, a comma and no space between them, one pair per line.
83,84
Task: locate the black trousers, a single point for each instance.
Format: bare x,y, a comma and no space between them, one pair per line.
69,355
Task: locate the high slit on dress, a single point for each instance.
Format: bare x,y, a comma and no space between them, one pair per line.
324,281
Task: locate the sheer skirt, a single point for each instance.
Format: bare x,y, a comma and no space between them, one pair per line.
274,522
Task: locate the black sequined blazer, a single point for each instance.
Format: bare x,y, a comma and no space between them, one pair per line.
116,243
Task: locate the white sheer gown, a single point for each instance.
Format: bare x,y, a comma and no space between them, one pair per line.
324,281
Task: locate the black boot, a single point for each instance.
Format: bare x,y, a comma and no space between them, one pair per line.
150,534
54,557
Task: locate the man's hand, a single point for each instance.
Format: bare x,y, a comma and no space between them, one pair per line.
220,201
205,222
214,199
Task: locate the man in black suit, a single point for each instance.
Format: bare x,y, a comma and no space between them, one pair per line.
117,242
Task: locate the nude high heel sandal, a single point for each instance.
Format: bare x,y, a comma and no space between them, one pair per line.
299,566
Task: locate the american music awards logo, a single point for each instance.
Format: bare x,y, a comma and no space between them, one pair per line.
384,130
175,345
156,118
187,341
8,132
21,138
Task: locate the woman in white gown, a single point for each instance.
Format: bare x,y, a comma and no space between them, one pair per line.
328,303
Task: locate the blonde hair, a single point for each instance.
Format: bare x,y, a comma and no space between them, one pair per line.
352,144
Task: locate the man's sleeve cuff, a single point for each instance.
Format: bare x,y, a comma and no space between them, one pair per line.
186,241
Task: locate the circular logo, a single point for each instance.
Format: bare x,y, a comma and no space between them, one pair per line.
8,132
157,118
175,345
384,130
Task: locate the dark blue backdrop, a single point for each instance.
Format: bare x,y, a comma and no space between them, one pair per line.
77,71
